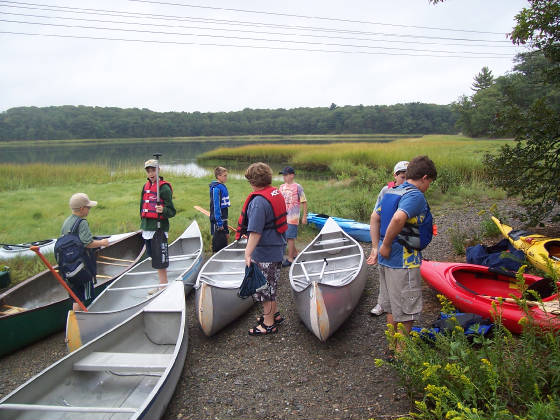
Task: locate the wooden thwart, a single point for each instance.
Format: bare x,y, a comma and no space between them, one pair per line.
9,310
110,263
115,259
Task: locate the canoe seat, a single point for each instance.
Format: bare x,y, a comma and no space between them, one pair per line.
146,362
10,310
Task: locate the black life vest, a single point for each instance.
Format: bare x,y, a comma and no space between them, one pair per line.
276,200
149,199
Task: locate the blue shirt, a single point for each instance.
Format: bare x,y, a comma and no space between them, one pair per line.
414,204
219,199
271,246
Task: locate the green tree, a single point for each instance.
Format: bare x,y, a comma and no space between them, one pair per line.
531,168
483,80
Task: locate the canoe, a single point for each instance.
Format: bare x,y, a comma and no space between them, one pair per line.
543,252
358,231
327,279
216,300
473,288
129,293
46,246
130,372
42,302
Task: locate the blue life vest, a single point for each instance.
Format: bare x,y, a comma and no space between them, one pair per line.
412,237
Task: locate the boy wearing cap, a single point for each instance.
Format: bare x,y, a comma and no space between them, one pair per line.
399,175
295,198
219,204
80,204
152,212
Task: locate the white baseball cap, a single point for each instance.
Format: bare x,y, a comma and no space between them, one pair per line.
400,166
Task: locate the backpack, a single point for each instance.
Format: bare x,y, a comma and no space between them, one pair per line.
70,254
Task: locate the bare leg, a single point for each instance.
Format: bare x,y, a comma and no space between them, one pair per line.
292,251
162,274
406,324
76,307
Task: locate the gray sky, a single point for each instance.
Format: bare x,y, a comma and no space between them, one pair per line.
180,74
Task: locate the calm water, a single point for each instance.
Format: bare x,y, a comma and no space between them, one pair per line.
177,157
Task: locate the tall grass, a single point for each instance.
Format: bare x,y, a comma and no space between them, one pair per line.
457,158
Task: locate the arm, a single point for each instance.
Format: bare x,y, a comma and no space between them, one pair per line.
252,242
217,208
396,225
374,223
98,243
168,210
304,217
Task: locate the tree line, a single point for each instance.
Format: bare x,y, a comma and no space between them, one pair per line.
79,122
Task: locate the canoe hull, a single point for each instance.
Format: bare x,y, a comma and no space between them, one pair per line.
327,279
473,288
111,308
130,372
216,300
323,308
47,302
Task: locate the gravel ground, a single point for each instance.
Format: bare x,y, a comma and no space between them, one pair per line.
291,374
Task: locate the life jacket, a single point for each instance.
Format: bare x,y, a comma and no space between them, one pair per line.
223,202
276,200
149,199
412,237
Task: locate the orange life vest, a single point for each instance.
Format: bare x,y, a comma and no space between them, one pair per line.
276,200
149,201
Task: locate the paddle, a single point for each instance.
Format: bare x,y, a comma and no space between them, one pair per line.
207,213
35,249
160,252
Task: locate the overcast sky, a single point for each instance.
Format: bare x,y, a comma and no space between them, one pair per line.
182,72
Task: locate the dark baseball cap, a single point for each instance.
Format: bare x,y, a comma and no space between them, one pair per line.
287,170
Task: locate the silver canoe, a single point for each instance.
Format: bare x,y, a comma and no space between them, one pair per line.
217,303
129,293
327,279
130,372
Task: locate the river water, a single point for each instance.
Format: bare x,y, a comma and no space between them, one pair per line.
177,156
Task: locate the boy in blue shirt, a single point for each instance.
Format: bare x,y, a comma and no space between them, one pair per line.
399,273
219,204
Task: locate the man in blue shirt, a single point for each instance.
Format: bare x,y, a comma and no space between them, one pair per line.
219,204
399,273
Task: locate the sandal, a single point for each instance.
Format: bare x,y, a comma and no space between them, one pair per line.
268,329
278,319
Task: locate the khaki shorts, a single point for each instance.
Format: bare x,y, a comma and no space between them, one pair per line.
401,289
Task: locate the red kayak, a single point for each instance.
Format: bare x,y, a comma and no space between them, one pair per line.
473,288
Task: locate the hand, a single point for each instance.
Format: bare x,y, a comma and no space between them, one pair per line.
105,242
304,220
372,259
159,208
247,260
220,228
385,250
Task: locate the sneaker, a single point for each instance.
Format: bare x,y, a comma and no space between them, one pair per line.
286,263
377,310
152,291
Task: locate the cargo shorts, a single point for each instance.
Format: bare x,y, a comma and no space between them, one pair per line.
401,289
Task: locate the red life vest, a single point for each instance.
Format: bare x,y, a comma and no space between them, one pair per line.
276,200
149,196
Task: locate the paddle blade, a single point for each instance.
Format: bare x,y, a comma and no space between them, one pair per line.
160,252
73,336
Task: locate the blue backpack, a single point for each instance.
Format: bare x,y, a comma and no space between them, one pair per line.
411,236
71,256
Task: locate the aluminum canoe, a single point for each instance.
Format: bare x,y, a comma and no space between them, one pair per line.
216,300
129,293
130,372
37,307
46,246
327,279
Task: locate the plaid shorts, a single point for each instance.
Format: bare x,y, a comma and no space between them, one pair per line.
271,271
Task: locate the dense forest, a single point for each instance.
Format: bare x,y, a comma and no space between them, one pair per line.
78,122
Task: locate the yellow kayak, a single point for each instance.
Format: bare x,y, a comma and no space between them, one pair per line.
543,252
